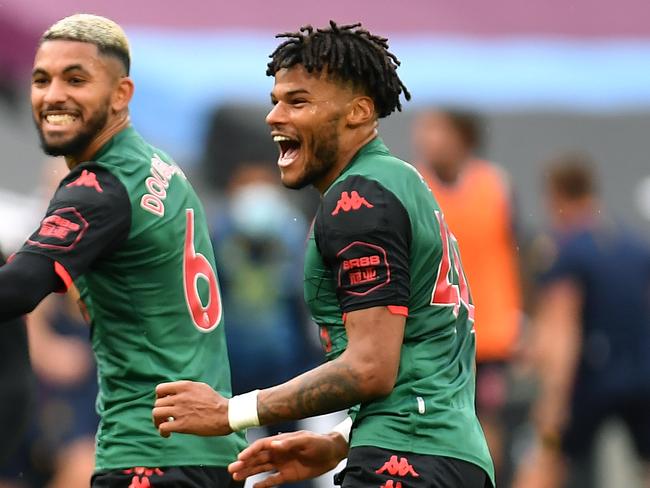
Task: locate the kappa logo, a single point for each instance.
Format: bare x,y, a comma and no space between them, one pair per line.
392,484
141,476
57,227
87,178
398,468
350,202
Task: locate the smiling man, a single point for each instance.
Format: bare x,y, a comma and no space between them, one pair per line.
383,280
127,231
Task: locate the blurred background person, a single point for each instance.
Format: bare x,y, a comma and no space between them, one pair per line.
259,239
475,196
591,336
16,386
58,451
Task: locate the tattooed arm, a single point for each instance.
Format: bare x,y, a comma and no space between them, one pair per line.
367,369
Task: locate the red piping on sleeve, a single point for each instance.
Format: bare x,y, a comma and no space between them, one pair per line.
64,275
398,310
394,309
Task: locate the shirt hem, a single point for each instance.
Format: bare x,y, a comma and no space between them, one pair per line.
489,470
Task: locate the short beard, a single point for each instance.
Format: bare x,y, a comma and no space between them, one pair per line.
326,151
78,144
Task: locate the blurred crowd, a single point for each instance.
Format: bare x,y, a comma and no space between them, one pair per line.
562,315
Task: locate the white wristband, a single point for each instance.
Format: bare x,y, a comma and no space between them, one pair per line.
344,428
242,411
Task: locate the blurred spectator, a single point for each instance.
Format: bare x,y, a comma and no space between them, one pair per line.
475,197
17,385
259,239
591,334
59,449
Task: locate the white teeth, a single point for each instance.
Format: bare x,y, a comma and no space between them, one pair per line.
280,138
59,119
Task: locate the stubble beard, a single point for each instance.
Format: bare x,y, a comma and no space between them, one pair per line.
78,144
326,151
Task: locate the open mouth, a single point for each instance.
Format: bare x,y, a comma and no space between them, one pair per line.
289,150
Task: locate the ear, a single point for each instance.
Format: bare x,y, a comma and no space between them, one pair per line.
362,111
122,94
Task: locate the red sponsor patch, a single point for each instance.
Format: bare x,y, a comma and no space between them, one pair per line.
349,202
62,229
57,227
87,178
364,268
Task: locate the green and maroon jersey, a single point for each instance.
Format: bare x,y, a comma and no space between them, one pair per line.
380,239
128,229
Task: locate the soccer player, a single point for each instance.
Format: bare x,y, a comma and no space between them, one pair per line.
383,279
126,230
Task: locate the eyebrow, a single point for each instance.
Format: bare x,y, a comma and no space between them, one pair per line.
292,93
72,67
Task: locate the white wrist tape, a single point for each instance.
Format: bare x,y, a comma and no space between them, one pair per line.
242,411
344,428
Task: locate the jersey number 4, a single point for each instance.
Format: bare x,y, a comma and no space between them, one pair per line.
195,267
451,289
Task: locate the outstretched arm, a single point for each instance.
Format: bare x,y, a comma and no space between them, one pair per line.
24,282
367,369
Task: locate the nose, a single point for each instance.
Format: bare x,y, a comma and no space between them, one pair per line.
55,92
277,115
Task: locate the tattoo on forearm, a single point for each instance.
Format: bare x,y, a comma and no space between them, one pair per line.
328,388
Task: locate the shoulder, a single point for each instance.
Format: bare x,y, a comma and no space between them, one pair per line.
90,191
359,202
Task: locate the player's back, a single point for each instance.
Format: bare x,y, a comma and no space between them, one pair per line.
156,312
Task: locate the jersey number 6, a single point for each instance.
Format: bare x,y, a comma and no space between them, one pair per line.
195,266
450,292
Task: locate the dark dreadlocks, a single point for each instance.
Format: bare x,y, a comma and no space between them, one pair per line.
350,54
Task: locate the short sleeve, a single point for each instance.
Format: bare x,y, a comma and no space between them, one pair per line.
88,217
363,233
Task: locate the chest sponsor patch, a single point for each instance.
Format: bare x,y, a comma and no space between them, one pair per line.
62,229
363,268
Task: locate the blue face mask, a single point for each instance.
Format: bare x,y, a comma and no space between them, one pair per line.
260,210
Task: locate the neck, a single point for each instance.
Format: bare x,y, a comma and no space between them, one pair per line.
345,156
116,125
449,174
579,214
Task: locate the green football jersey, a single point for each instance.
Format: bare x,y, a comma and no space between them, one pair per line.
379,239
128,229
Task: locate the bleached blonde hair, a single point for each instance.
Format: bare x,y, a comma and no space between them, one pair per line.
107,35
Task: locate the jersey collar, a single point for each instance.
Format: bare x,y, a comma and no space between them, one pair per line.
122,135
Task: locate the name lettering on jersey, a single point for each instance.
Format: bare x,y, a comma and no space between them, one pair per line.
350,202
87,178
157,185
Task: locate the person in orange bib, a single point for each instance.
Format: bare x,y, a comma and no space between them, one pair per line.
475,197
